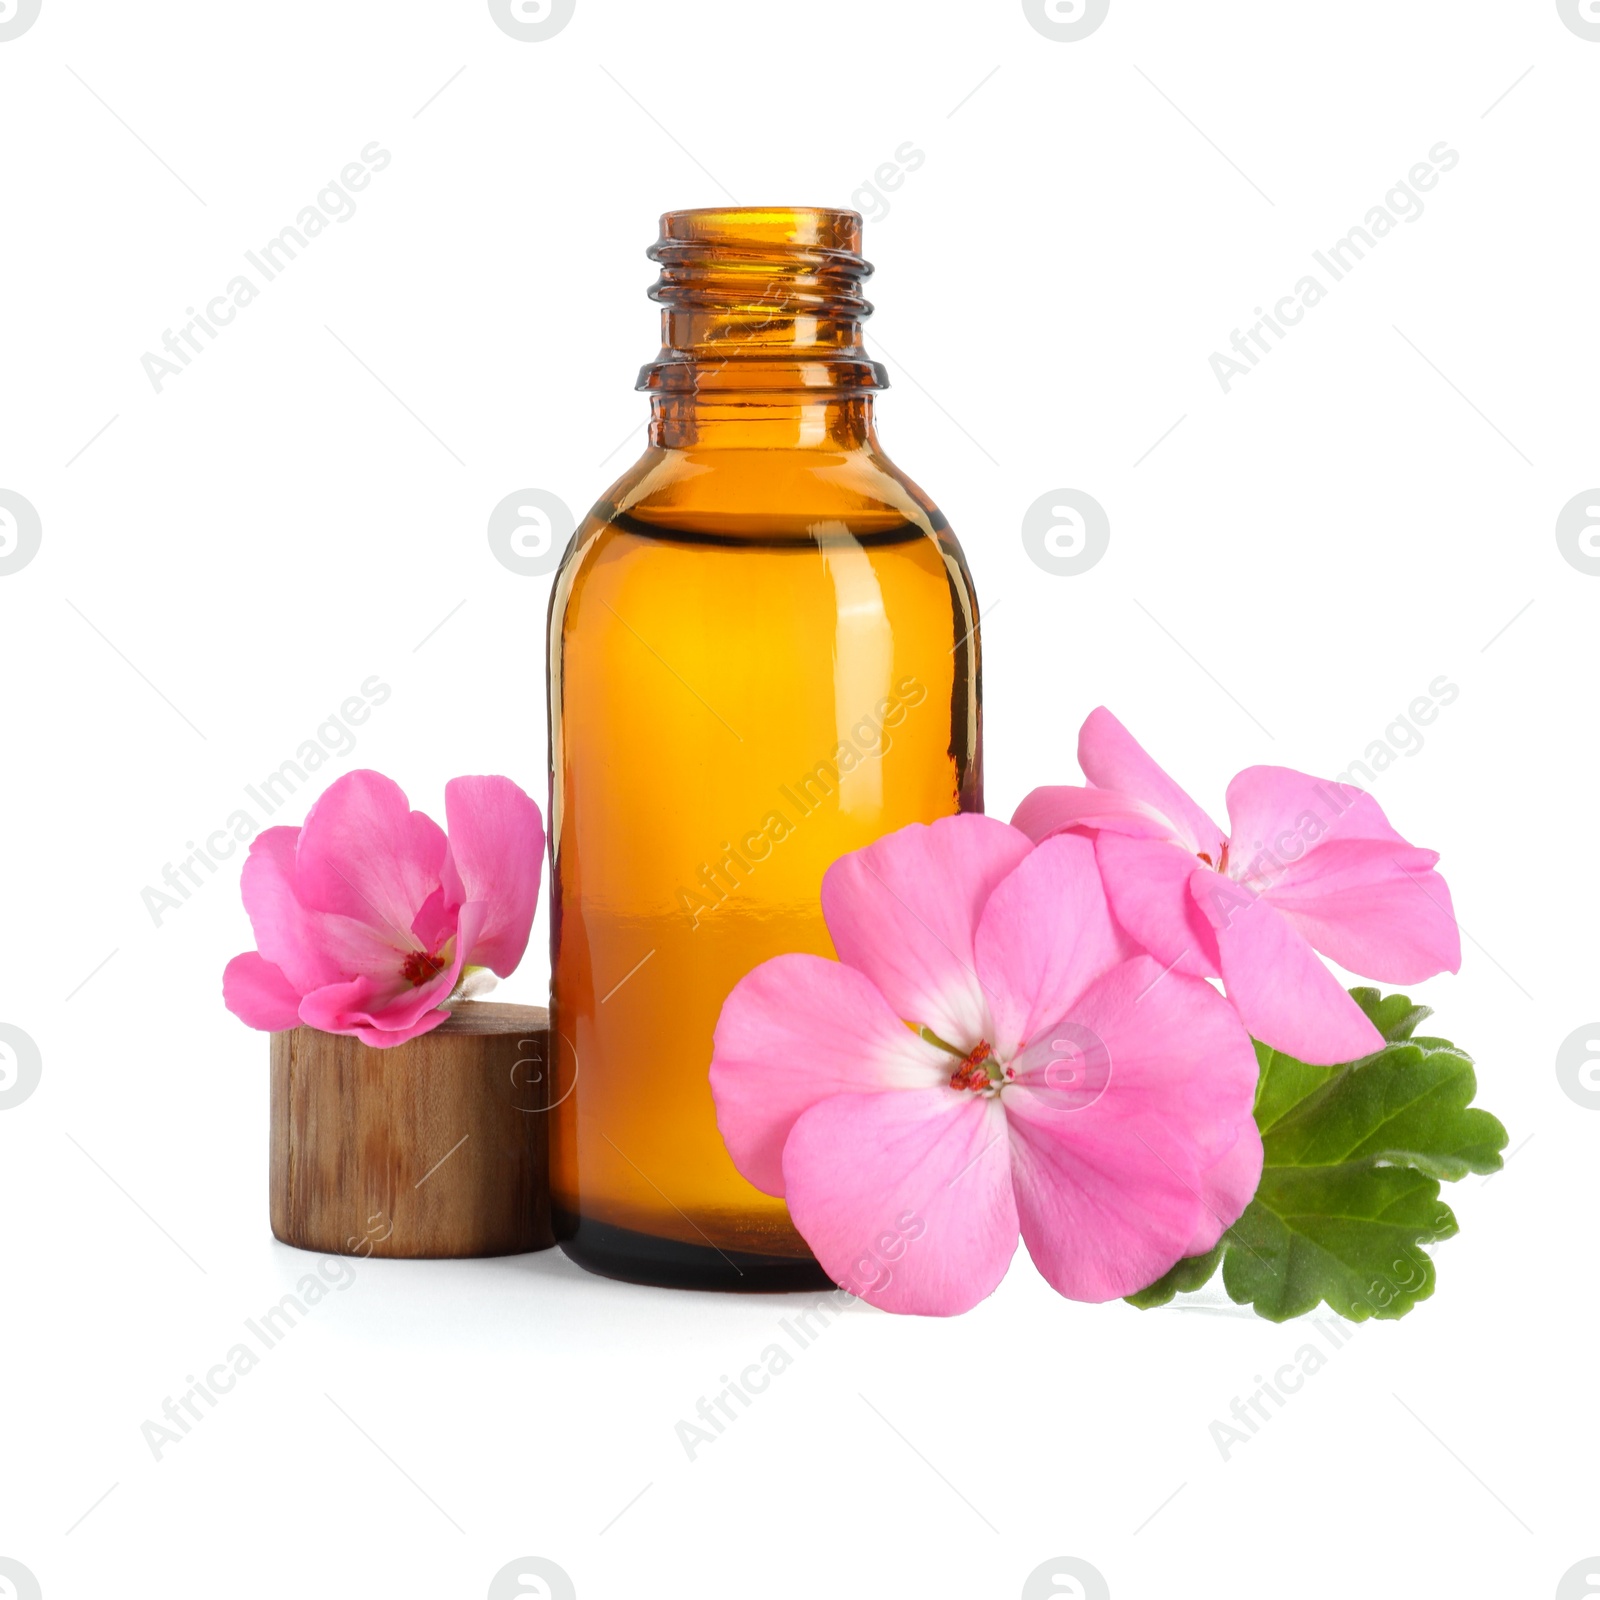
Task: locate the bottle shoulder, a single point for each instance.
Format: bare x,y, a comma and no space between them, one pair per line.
765,497
680,503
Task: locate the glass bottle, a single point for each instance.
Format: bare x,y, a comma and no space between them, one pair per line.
763,653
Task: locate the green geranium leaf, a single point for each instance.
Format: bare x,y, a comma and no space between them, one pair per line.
1350,1190
1192,1273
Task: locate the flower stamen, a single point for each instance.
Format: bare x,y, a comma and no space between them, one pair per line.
975,1071
420,968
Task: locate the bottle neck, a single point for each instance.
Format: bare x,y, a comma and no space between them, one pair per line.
767,420
761,315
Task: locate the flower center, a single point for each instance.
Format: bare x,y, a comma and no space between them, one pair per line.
419,968
1221,863
981,1071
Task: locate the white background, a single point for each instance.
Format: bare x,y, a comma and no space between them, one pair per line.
1291,565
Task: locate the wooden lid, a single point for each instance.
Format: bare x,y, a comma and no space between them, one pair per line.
489,1016
435,1147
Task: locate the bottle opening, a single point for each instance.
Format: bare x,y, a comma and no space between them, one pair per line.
761,299
766,227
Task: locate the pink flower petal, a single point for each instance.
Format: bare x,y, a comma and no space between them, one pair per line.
1157,1048
287,934
1325,855
1112,758
354,946
258,994
796,1030
1111,1194
313,948
905,1196
1378,909
1280,815
389,1010
904,911
1283,993
1227,1186
436,921
1046,933
496,852
1147,882
1106,1204
1050,810
364,854
357,1008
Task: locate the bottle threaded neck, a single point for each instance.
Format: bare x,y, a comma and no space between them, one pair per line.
761,299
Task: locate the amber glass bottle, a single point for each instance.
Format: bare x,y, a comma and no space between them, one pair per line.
763,653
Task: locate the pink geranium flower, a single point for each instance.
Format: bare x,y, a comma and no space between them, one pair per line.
989,1055
368,917
1307,865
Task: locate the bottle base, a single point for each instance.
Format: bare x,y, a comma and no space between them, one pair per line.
632,1257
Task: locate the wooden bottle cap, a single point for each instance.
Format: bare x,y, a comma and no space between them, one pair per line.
436,1147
